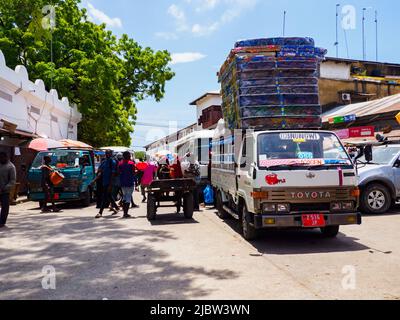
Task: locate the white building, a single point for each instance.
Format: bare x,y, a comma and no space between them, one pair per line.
34,110
208,113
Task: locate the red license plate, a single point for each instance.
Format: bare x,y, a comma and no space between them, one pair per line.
313,220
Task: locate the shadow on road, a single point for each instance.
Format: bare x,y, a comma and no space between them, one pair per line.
171,218
299,241
94,259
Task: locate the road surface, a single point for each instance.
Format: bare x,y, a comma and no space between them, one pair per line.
206,258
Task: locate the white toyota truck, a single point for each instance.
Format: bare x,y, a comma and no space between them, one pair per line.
284,179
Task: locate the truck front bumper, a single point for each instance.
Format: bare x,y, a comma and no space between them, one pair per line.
60,197
295,220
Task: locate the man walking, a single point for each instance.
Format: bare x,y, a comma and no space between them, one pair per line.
47,186
7,183
127,171
107,171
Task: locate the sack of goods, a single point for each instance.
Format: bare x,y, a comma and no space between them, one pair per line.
272,84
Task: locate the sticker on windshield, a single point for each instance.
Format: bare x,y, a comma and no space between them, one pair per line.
306,155
337,161
282,162
300,136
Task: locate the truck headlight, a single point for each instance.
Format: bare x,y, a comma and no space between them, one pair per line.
335,206
348,205
269,207
342,206
283,208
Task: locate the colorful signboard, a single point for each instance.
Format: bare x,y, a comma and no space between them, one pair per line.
356,132
345,119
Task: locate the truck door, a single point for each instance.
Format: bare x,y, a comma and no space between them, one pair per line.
87,170
245,167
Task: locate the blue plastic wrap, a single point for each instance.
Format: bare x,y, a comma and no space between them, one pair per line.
272,87
275,42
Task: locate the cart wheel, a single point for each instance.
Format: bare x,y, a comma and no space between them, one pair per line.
188,205
151,208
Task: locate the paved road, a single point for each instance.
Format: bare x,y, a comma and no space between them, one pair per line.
201,259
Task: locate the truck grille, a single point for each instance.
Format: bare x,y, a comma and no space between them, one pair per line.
303,207
305,195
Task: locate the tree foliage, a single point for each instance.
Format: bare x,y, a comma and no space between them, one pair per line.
103,75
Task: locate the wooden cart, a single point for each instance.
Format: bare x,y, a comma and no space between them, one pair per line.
178,191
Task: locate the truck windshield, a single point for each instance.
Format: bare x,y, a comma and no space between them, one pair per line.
61,159
301,149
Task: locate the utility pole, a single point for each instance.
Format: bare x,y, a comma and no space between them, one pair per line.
376,33
284,23
337,31
363,33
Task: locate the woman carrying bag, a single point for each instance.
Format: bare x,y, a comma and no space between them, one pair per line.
49,178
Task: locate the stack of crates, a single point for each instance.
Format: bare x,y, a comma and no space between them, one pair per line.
272,84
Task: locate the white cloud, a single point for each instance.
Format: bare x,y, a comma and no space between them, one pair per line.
186,57
207,5
98,15
180,17
203,30
229,11
166,35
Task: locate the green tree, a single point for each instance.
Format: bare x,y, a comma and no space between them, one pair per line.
140,155
103,75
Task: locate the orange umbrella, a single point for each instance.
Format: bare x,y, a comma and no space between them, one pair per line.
67,143
43,144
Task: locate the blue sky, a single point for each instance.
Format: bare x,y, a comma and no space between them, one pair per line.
200,33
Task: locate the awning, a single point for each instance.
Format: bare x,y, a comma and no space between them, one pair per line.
363,109
18,134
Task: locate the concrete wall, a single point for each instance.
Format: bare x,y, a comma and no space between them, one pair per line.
329,90
34,109
334,70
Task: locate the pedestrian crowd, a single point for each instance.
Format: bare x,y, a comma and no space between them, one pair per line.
117,178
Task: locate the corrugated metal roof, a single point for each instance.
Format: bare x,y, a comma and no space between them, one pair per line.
388,104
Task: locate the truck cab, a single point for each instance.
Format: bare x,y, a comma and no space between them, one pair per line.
78,168
285,179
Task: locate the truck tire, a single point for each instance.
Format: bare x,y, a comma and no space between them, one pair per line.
248,231
330,231
375,199
219,206
188,205
151,208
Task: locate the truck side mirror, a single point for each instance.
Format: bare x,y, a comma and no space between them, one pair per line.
368,153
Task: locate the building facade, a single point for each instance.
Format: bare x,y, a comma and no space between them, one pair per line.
34,110
28,111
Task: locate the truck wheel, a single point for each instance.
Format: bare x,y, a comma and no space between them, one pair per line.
188,205
248,231
375,199
151,208
219,205
330,231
